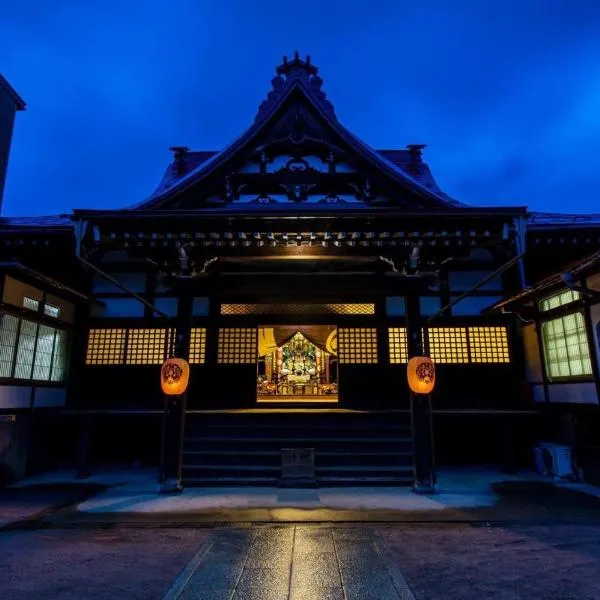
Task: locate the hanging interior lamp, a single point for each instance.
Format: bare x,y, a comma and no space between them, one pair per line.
174,376
421,375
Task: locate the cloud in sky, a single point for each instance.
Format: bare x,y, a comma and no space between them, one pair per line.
505,94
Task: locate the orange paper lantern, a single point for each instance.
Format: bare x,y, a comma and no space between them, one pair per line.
421,375
174,376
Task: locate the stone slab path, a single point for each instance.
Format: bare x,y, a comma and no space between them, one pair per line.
291,563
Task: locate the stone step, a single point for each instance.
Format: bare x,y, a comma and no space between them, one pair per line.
273,457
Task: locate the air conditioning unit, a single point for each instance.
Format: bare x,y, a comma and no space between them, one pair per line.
554,459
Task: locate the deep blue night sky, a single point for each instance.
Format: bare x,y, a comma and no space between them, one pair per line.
505,93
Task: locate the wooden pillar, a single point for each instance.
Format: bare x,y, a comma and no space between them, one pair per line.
83,446
175,406
420,406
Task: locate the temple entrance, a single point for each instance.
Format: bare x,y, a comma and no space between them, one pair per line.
297,364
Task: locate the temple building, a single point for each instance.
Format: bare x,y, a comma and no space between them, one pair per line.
297,270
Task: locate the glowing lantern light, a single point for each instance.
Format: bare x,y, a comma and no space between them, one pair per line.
421,375
174,376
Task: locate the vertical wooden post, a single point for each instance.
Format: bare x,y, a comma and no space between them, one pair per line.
170,480
83,445
420,406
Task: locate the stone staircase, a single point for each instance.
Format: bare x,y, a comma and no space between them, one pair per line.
244,447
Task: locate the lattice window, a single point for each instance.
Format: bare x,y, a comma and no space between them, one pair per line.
9,326
106,347
566,348
43,353
59,360
237,345
559,299
357,345
26,350
52,311
297,309
448,344
197,345
489,345
31,303
398,345
146,346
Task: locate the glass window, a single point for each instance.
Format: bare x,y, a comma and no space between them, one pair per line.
9,327
43,353
30,303
566,349
51,311
59,356
560,299
25,350
29,350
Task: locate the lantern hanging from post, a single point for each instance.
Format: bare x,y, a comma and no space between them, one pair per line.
421,375
174,376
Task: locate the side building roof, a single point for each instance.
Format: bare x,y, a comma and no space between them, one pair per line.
19,102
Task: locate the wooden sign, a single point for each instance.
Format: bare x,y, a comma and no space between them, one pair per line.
297,467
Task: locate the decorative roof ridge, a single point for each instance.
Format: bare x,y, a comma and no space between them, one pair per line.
290,73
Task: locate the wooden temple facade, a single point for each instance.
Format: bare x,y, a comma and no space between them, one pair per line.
297,270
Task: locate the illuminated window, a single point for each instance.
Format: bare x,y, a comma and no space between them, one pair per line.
560,299
357,345
303,309
31,303
29,350
59,356
106,347
237,346
398,345
448,344
488,345
197,345
9,327
146,346
566,349
25,350
51,311
43,353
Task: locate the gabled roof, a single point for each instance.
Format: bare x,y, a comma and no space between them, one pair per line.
298,78
19,102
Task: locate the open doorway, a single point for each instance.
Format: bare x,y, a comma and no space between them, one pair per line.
297,364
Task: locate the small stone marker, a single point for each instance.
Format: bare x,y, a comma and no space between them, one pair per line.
297,467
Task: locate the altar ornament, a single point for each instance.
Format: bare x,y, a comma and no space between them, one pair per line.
421,375
174,376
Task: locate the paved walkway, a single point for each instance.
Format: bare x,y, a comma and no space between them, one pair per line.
291,563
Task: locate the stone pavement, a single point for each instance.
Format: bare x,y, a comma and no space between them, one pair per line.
291,563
